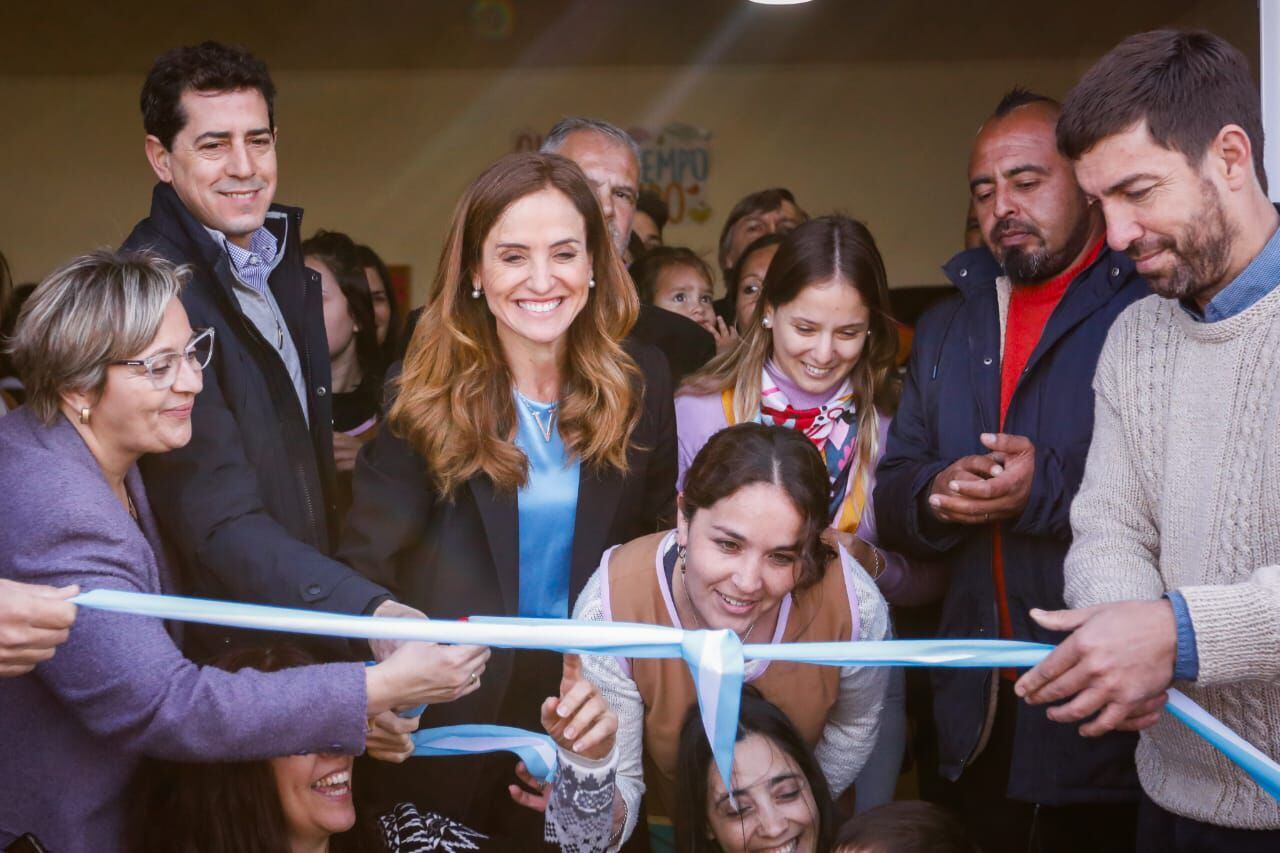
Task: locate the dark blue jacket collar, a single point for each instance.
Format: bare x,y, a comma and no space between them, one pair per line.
975,270
972,268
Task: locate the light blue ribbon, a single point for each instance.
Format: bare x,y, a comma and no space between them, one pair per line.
537,751
715,658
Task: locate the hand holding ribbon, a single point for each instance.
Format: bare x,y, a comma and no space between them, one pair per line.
715,658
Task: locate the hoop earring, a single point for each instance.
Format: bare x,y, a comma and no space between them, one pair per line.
84,415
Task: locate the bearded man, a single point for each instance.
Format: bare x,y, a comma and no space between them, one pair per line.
983,459
1175,567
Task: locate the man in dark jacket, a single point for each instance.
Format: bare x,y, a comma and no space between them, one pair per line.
610,159
249,502
983,460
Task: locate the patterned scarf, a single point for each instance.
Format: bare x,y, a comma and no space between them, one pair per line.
833,429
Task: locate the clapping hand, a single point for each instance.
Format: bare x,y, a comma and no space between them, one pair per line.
982,489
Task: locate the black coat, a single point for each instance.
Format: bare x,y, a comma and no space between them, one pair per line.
686,345
248,503
950,397
457,558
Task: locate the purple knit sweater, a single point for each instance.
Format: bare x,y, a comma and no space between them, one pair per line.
73,731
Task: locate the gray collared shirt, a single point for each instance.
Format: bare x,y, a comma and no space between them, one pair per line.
252,269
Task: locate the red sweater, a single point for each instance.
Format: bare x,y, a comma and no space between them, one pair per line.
1030,307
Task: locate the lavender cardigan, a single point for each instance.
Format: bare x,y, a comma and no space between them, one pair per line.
902,581
73,731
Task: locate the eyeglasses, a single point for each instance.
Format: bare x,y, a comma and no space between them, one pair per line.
162,368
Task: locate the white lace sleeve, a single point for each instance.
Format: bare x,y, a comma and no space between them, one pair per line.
623,696
580,811
854,724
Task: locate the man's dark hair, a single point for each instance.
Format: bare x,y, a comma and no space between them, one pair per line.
763,201
652,205
1020,97
1186,85
207,67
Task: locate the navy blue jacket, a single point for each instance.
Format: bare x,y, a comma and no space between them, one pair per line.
951,396
249,502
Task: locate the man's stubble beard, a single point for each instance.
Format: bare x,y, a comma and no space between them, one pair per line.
1203,256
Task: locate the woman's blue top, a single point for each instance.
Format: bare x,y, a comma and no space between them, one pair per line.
548,508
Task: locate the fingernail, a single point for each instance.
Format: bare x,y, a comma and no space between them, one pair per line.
954,486
934,500
569,733
562,711
986,436
996,469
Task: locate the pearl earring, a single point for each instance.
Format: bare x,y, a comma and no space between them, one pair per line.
475,292
592,282
767,322
84,415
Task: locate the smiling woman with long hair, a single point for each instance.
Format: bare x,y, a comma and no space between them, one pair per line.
779,799
816,357
524,439
747,555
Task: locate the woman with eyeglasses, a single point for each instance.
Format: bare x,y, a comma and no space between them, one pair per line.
112,368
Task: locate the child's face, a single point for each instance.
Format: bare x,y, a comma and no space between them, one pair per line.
681,289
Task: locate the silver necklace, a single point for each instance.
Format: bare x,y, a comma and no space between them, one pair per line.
551,416
684,564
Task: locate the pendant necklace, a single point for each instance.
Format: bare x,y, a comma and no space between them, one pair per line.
551,416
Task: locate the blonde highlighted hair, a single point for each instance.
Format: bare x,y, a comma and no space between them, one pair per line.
820,250
454,403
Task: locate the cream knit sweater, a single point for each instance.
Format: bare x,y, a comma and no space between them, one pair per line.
1182,491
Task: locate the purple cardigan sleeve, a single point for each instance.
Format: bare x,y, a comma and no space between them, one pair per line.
698,417
124,679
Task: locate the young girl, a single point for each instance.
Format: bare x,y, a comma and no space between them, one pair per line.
677,280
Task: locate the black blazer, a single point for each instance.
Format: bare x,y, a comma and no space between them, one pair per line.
249,502
458,558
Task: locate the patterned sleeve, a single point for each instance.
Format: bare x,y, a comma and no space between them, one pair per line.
623,696
580,811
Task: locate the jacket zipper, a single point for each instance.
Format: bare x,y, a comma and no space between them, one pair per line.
319,530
